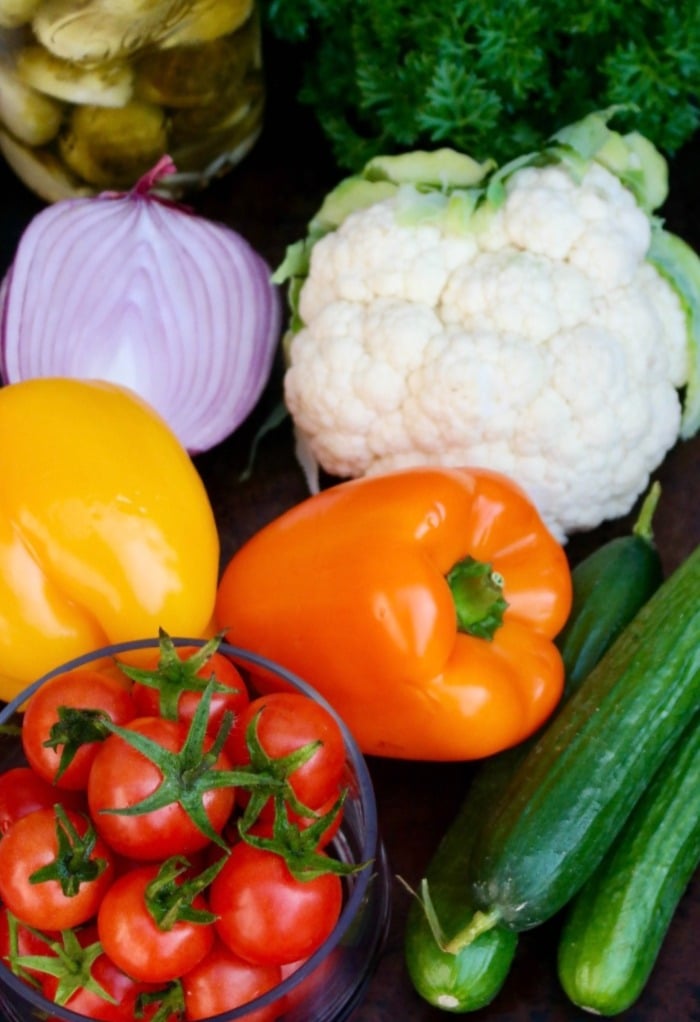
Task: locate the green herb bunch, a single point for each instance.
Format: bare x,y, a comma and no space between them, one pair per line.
492,78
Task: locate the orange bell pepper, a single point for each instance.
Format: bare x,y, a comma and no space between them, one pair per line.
106,530
422,604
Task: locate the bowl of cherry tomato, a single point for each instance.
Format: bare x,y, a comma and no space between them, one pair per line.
187,831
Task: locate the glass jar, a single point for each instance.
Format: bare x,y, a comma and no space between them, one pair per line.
94,92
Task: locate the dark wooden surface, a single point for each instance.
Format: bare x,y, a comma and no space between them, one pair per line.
269,199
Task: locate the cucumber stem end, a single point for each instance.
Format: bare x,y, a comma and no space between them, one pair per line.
481,922
642,527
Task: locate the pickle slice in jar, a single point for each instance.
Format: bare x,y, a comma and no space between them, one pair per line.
100,30
196,123
137,8
111,147
195,76
209,19
14,13
41,171
33,119
223,144
104,84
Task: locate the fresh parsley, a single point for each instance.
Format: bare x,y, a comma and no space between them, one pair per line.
492,78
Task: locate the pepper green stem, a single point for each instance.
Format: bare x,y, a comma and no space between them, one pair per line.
477,591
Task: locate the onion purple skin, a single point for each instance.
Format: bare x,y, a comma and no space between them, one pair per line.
133,289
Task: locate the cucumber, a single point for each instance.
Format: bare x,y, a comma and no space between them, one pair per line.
616,924
609,587
578,784
459,980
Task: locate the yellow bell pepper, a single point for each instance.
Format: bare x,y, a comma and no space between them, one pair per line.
106,530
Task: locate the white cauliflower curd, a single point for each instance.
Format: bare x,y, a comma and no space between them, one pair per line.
529,322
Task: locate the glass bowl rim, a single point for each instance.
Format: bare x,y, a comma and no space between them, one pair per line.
371,846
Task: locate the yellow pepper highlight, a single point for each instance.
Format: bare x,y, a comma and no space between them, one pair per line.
106,530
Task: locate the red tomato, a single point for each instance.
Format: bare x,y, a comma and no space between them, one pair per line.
288,721
222,981
149,700
198,860
267,916
31,844
134,941
122,988
80,689
22,791
121,776
300,1000
29,941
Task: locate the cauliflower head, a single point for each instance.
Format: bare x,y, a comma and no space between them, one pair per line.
528,333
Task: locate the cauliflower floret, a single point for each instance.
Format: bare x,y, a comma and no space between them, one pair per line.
594,224
369,258
517,292
541,345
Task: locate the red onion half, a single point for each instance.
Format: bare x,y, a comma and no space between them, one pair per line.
135,290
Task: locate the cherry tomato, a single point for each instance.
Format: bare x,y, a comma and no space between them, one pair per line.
28,941
22,791
123,990
265,914
222,981
287,721
133,939
80,689
149,701
310,990
31,844
121,776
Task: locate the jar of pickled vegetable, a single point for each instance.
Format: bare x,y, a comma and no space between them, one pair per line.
94,92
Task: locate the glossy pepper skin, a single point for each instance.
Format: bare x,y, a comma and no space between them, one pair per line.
349,590
106,531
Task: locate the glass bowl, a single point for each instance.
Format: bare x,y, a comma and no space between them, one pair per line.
331,983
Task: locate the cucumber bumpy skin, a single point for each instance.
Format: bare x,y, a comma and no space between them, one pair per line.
578,784
609,587
617,923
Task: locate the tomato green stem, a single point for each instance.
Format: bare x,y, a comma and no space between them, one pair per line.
170,899
174,674
75,727
298,846
188,774
73,864
71,964
272,773
169,1003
